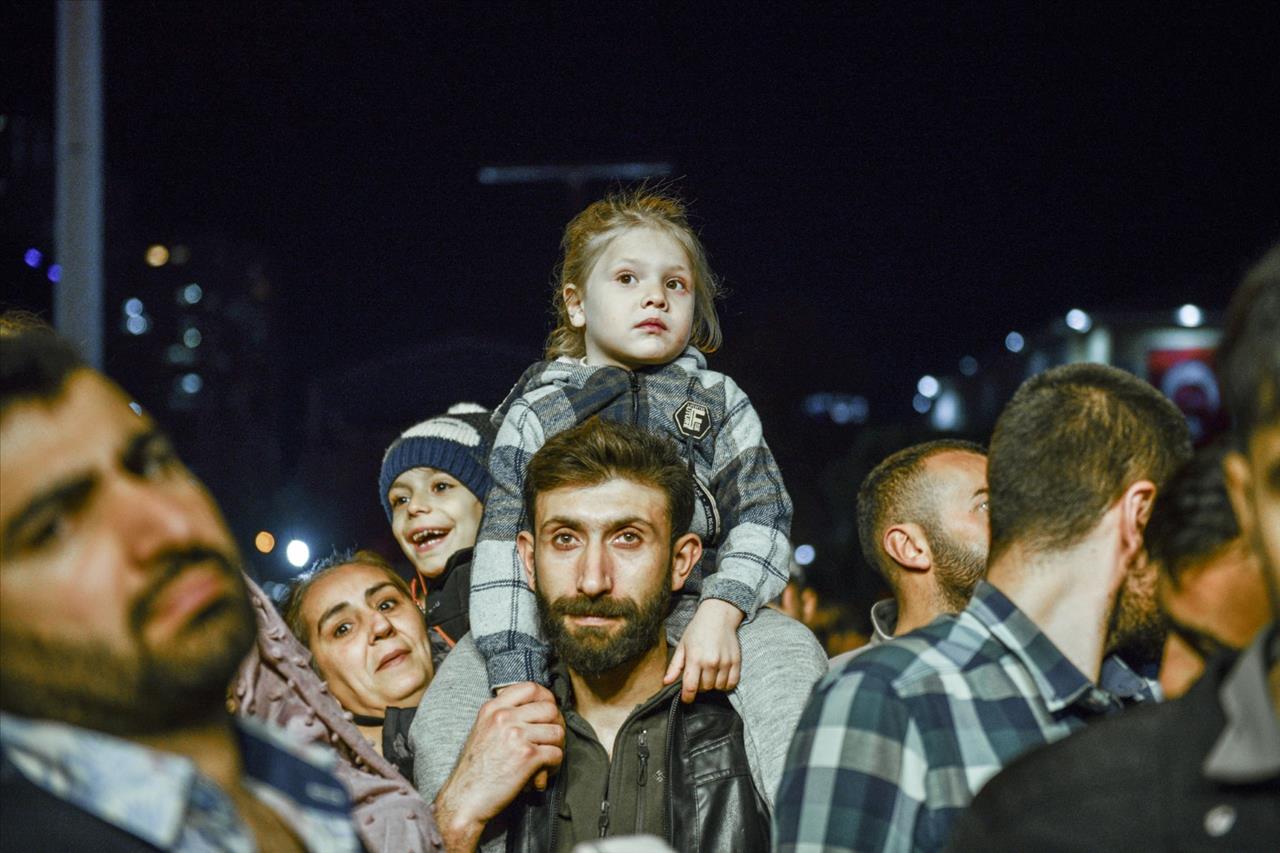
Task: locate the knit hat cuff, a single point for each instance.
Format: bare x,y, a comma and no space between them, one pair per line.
456,460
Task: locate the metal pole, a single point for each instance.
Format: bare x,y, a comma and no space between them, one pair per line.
77,299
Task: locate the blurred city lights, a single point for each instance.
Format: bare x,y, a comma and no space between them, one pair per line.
946,411
297,553
841,408
968,365
265,542
805,554
192,293
851,410
32,258
1190,316
133,307
191,383
192,338
1013,342
928,386
55,273
921,403
157,255
137,325
1079,320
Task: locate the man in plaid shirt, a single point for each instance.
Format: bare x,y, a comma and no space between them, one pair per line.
894,745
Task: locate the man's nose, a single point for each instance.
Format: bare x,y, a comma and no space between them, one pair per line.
149,519
595,577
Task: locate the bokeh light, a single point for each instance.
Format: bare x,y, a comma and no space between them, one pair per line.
297,553
264,542
157,255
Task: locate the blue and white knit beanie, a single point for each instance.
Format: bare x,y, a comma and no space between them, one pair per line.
457,443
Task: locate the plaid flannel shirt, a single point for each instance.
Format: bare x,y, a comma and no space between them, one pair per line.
743,511
893,746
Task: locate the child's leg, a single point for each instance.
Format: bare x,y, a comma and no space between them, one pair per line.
504,617
781,661
445,716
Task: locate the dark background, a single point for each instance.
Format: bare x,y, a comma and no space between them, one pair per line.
884,188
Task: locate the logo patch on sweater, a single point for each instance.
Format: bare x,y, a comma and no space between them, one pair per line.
693,420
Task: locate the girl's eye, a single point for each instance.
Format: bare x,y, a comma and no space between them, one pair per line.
342,630
626,278
397,500
441,486
676,284
389,604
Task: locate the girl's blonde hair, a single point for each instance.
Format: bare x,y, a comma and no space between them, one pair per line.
590,232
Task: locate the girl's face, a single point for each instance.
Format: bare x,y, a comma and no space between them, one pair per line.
432,516
636,307
368,639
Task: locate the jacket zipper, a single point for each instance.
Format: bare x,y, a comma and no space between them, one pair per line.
642,749
668,828
557,795
603,820
635,396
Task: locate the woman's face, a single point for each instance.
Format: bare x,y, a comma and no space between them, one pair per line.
368,639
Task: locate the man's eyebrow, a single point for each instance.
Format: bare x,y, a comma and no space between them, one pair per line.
608,523
981,491
138,445
69,492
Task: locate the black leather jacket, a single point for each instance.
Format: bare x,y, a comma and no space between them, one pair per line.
714,806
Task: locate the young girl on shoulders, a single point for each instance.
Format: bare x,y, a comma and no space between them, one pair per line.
635,307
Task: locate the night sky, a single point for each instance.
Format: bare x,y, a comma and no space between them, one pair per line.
884,187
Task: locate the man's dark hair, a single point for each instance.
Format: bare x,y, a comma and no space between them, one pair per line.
1249,355
597,451
1192,517
1068,444
34,364
895,492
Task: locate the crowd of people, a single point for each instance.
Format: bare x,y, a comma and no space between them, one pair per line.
585,649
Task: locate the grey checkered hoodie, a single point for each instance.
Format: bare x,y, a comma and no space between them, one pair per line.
743,511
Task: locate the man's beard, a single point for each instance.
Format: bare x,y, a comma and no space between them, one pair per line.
957,566
593,651
149,690
1138,625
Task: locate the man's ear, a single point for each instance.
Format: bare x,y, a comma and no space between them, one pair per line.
907,546
1235,472
524,545
573,304
1135,511
684,556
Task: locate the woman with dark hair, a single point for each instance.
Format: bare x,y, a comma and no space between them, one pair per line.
368,641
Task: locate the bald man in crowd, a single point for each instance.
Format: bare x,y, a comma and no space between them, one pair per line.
922,523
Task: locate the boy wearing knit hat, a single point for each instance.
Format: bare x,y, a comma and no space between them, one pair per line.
433,484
